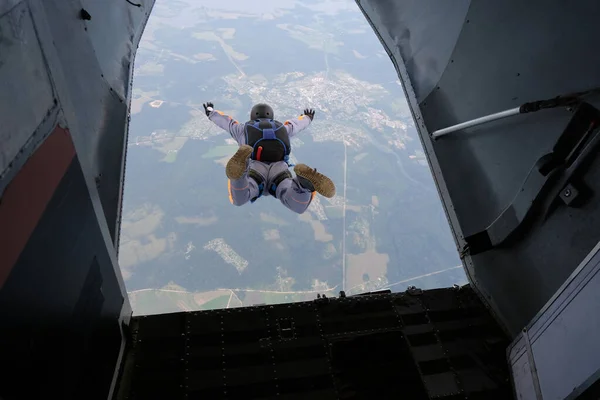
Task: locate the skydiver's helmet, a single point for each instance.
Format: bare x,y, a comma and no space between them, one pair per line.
261,110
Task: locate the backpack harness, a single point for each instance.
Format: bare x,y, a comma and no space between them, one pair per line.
271,143
269,139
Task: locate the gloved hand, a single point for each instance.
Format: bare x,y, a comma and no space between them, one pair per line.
310,113
208,108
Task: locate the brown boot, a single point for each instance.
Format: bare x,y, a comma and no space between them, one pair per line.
238,163
321,183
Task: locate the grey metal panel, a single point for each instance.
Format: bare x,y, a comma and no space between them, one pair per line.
493,70
507,53
566,347
425,32
521,374
115,55
7,5
97,115
564,336
21,60
589,390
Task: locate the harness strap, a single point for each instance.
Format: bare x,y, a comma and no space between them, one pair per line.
269,133
259,180
261,183
278,179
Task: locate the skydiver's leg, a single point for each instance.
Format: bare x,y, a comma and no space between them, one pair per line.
319,182
294,196
281,184
243,175
242,190
238,163
297,193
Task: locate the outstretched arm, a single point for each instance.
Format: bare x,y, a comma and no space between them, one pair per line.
225,122
298,124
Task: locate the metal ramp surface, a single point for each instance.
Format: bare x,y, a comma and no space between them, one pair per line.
420,344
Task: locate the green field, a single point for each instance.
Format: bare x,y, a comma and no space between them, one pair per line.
220,151
170,157
334,212
216,303
158,302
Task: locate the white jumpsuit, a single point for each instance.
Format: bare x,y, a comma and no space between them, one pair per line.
289,191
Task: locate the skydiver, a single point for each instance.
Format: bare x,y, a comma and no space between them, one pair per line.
260,167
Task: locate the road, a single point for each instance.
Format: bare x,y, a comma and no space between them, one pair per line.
242,290
422,276
344,219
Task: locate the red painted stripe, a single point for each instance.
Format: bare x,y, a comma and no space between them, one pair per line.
26,197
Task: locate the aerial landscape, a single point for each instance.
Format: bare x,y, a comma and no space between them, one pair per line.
183,246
